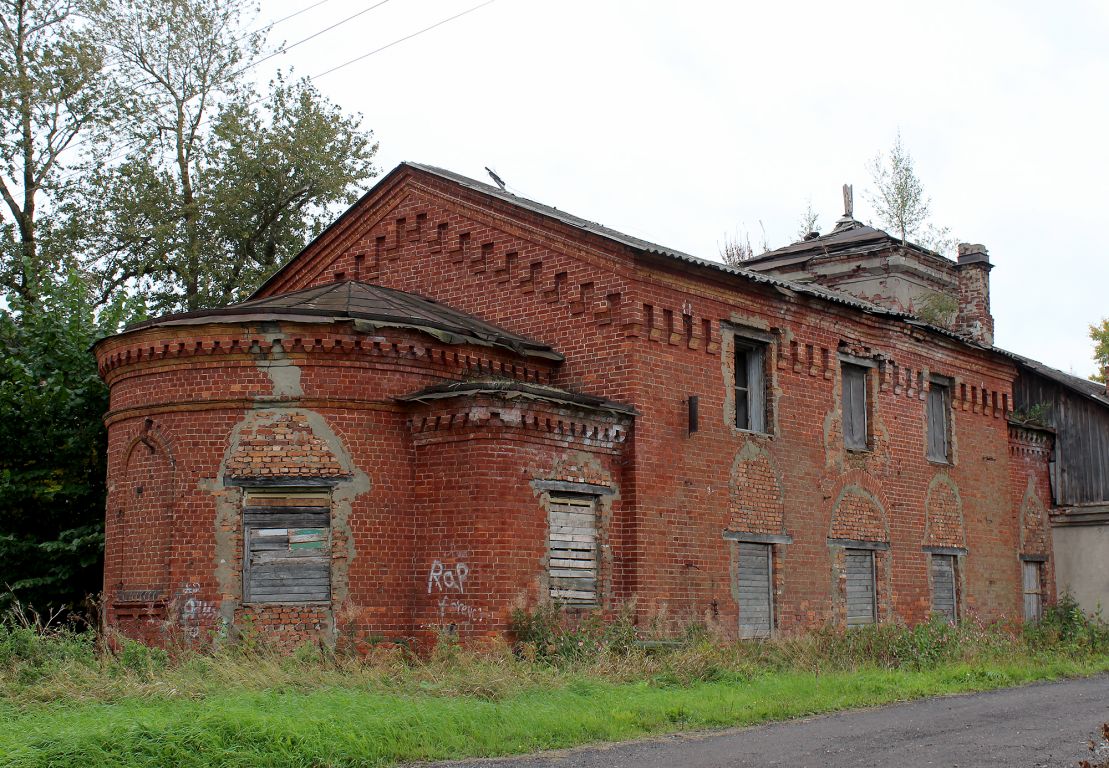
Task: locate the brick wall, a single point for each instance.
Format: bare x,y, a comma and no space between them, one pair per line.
440,491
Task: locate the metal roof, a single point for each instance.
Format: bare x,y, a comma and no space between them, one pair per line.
645,246
849,236
1090,389
376,305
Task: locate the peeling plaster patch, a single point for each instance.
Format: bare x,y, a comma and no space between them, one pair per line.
342,500
282,373
228,524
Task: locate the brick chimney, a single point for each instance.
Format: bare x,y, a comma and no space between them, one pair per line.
1105,376
973,317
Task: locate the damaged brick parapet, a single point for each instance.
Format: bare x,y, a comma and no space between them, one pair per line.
546,414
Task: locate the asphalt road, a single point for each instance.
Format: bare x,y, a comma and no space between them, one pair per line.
1037,725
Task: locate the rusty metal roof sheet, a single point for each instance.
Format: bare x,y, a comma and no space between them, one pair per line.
372,305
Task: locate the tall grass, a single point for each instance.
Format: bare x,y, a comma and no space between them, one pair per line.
72,698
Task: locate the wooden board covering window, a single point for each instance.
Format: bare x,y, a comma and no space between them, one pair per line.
943,586
572,567
938,415
854,407
1033,591
756,603
287,547
861,608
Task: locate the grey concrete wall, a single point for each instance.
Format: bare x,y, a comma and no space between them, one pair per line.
1082,565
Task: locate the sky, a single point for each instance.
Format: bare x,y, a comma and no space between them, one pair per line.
685,123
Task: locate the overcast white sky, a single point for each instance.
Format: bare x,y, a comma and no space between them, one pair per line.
681,122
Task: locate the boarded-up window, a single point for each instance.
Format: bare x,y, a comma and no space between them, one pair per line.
756,601
939,415
854,407
943,586
1033,591
861,607
572,567
287,547
750,385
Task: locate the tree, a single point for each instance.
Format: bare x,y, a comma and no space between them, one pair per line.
736,250
1099,333
53,91
809,222
900,202
217,184
52,446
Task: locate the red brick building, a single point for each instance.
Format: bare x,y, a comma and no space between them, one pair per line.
456,402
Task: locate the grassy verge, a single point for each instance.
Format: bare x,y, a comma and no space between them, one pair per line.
64,703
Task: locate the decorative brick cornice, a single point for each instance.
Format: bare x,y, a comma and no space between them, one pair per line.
215,342
1030,440
565,424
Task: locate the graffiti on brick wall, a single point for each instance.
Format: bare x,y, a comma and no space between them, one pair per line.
450,607
448,582
443,579
194,612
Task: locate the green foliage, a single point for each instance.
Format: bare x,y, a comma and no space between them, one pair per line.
937,308
1099,334
1065,625
900,202
1039,413
549,634
54,95
212,185
52,446
69,700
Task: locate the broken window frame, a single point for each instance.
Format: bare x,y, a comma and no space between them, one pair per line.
749,382
937,414
305,521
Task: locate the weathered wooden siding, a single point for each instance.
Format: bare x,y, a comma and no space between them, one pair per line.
1081,473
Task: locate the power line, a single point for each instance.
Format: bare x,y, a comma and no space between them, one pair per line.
136,142
400,40
256,62
283,19
313,36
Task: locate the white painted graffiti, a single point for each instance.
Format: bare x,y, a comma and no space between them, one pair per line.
194,612
443,579
471,613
